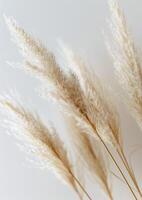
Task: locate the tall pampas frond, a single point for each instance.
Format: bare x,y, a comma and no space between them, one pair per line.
58,86
40,61
41,141
37,59
127,66
127,62
65,90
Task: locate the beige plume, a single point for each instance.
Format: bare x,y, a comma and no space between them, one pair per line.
99,107
126,61
43,142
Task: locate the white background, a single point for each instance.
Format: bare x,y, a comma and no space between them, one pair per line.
80,24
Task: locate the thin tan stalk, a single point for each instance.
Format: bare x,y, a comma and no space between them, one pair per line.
91,158
115,163
82,188
78,182
129,170
117,166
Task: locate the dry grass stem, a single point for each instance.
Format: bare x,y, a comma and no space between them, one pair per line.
128,70
91,158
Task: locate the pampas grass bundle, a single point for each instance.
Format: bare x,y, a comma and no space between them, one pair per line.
86,107
64,89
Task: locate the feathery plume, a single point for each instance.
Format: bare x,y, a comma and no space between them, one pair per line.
63,89
100,112
126,61
43,142
42,63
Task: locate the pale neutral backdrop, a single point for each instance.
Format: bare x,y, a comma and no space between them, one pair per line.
80,23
